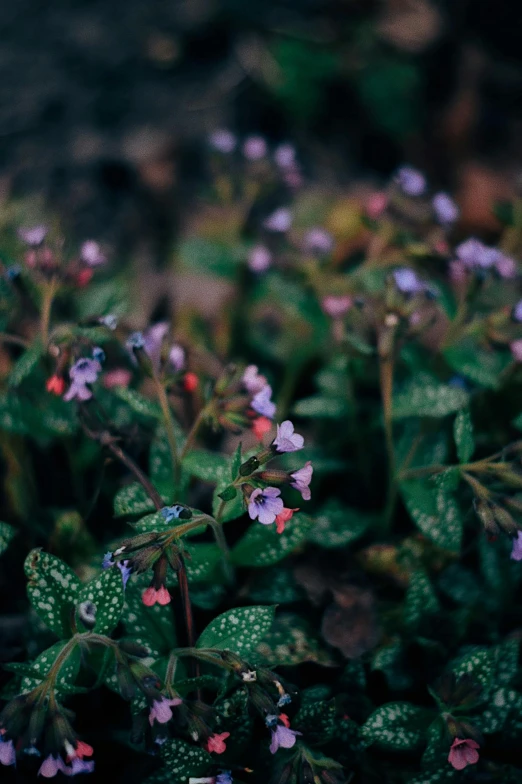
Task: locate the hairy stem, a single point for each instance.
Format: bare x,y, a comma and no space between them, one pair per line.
169,427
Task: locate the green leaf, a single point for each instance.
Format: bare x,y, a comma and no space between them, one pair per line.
7,533
491,667
421,599
397,725
25,364
133,500
239,630
501,704
463,433
210,257
53,590
292,641
337,525
184,760
390,87
106,593
430,399
203,562
480,365
210,467
138,402
152,627
236,462
67,672
434,511
317,721
321,406
263,546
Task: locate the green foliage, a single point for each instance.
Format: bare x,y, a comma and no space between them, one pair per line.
238,630
106,593
7,533
463,434
434,511
428,399
53,590
398,725
263,546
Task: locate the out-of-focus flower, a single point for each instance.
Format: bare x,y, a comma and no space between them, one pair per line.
262,403
261,426
252,380
51,765
110,321
473,253
259,258
55,385
254,148
216,743
408,281
505,266
190,382
445,208
318,240
463,752
286,439
411,181
265,505
7,751
336,306
279,221
177,357
153,340
516,350
302,479
284,156
376,204
33,235
91,254
517,311
83,372
118,377
223,141
516,552
161,710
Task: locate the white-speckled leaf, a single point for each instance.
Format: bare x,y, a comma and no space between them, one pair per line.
337,525
239,630
263,546
106,593
152,627
444,775
25,364
131,500
421,599
428,400
208,466
291,641
463,434
7,533
67,672
397,725
138,402
501,704
184,760
52,589
203,562
484,367
434,511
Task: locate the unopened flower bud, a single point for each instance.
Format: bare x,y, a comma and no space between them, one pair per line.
87,614
249,466
273,476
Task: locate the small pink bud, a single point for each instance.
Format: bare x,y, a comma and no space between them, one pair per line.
216,743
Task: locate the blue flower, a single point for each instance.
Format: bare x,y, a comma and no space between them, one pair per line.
98,354
284,699
175,512
262,404
108,560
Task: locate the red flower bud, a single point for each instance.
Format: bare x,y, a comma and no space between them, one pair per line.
190,382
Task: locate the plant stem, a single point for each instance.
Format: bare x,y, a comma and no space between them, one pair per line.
193,432
169,427
386,381
219,536
5,337
49,290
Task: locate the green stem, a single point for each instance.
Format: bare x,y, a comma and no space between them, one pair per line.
49,290
169,427
193,432
386,380
219,536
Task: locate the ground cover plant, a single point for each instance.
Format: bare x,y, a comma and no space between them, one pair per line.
274,537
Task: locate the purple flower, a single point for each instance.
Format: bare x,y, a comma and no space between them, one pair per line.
286,440
411,181
91,254
516,350
79,766
33,235
302,479
126,572
50,767
223,141
7,752
135,340
473,253
98,354
161,710
505,266
177,357
517,311
259,258
252,380
254,148
225,777
283,738
318,240
516,552
83,372
284,156
408,281
336,306
265,505
445,208
108,561
262,404
153,340
279,221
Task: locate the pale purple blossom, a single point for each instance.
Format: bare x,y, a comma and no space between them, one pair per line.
265,505
259,258
110,321
336,306
262,403
223,141
302,479
161,710
84,371
153,341
473,253
445,208
318,240
252,380
284,156
91,254
33,235
123,566
516,552
411,181
7,752
79,766
51,765
280,220
283,738
254,148
505,266
516,350
286,439
177,357
517,311
408,281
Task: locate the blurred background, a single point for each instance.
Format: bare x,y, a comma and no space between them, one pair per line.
105,105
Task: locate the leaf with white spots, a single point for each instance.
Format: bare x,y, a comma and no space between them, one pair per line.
397,725
443,775
132,500
107,595
483,366
67,672
501,704
239,630
25,364
430,399
463,434
316,720
491,667
337,525
208,466
53,590
202,564
263,546
184,760
435,512
152,627
421,599
138,402
7,533
291,641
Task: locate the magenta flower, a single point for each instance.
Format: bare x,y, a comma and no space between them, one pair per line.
7,751
262,403
223,141
516,350
286,439
284,156
336,306
279,221
411,181
177,357
254,148
265,505
318,240
463,752
445,208
161,710
252,380
50,767
259,258
283,738
408,281
516,552
302,479
91,254
33,235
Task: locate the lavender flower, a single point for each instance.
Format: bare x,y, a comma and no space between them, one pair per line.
135,341
153,340
83,372
223,141
516,350
505,266
336,306
302,479
259,258
283,738
516,552
318,240
411,181
225,777
254,148
473,253
51,765
79,766
445,208
7,752
98,354
407,281
110,321
173,512
252,380
517,311
286,439
279,221
262,404
161,710
265,505
177,357
33,235
284,156
91,254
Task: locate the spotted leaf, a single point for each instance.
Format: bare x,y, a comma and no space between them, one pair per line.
106,593
397,725
53,590
239,630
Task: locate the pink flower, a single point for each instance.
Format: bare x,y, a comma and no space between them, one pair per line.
254,148
284,156
302,479
457,271
161,710
506,266
336,306
150,596
516,350
318,240
265,505
463,752
279,221
259,259
50,767
516,552
91,254
252,380
261,426
283,517
81,750
216,743
376,205
7,751
223,141
119,377
286,439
